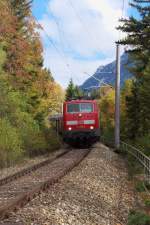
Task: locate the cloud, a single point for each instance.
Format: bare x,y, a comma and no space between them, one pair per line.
84,32
68,68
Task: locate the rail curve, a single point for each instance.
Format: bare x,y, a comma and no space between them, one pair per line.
31,184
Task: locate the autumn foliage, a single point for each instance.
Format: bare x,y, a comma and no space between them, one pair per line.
28,92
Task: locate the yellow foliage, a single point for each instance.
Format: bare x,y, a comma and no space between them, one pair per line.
107,108
126,91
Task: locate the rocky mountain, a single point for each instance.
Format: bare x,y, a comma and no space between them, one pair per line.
106,74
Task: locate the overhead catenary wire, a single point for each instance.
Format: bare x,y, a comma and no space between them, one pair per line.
123,8
62,54
59,31
55,47
61,42
83,23
50,39
122,16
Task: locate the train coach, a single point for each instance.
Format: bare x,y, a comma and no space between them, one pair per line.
79,122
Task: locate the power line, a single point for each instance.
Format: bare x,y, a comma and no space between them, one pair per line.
82,22
59,31
53,44
48,37
77,14
123,8
58,28
122,16
61,41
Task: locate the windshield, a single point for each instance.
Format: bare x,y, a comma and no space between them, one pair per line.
81,107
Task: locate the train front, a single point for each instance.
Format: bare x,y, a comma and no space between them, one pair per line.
81,122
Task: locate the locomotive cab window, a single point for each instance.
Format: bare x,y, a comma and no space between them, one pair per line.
82,107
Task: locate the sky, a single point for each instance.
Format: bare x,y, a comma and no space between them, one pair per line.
79,36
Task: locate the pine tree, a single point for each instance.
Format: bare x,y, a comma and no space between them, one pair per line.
133,115
22,10
70,91
138,38
138,35
144,93
78,92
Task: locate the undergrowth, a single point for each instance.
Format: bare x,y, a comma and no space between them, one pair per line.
138,218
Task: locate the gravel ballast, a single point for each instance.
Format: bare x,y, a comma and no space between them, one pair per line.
28,162
97,192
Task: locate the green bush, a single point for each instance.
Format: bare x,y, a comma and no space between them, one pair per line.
20,133
53,141
134,167
144,143
14,106
147,185
36,140
138,218
11,147
32,137
147,203
140,187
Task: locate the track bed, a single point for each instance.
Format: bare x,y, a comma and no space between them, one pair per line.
18,192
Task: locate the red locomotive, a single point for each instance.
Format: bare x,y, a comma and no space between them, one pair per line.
79,123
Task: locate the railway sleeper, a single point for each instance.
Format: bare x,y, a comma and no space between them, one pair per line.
24,198
29,170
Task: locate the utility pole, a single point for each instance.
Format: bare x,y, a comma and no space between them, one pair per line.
117,100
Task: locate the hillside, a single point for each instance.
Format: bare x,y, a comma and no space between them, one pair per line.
104,75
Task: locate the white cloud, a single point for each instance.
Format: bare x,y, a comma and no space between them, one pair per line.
82,28
68,68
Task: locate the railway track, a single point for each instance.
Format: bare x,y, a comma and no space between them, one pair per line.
17,190
30,169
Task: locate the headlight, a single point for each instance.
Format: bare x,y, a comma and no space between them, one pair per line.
91,127
69,128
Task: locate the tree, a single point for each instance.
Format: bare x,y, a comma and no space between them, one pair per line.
70,91
78,92
27,90
95,93
138,38
144,93
107,112
126,93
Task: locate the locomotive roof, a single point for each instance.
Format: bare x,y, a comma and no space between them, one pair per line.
81,101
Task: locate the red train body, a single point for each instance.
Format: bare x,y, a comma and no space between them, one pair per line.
80,121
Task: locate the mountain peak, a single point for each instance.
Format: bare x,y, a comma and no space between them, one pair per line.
107,74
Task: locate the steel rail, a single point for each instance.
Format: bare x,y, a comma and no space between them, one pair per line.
30,169
25,196
22,199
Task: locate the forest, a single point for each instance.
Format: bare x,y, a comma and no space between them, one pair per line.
28,91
